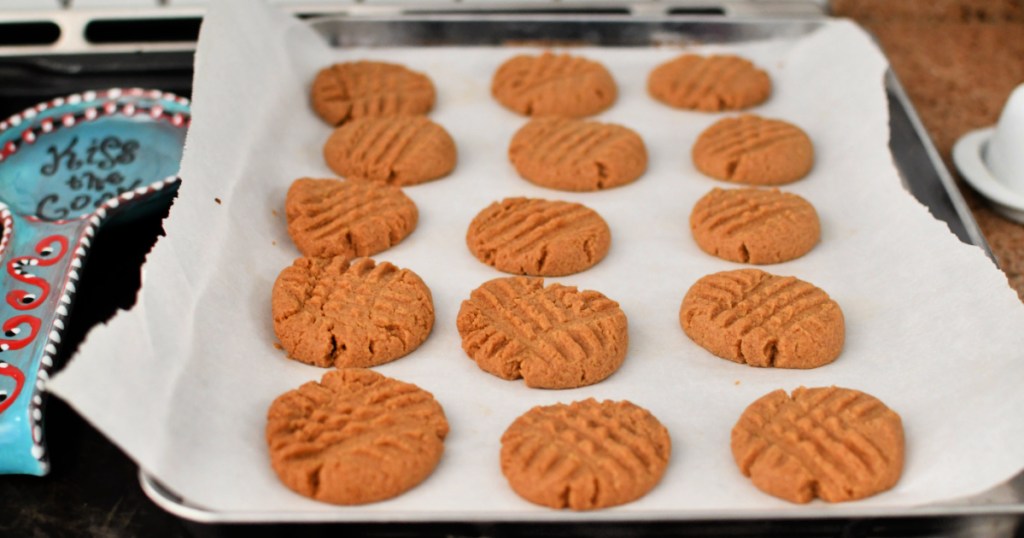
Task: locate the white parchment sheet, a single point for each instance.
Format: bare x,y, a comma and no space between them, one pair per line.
183,381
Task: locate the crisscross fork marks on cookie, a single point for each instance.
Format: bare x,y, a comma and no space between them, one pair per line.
327,426
577,155
330,312
538,237
727,213
403,150
691,72
347,91
773,426
720,211
527,317
753,225
584,455
328,217
355,437
552,84
553,337
745,134
566,141
589,440
755,150
715,89
832,443
771,321
711,83
560,66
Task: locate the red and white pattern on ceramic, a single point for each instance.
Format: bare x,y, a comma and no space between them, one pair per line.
44,250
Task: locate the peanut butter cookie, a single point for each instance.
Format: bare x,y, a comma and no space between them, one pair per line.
754,150
355,437
351,90
554,338
577,155
553,85
329,312
709,83
753,317
832,443
585,455
401,150
528,236
328,217
754,226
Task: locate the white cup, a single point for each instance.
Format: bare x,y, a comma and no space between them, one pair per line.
1004,155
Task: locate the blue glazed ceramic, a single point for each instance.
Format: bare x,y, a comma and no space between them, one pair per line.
66,166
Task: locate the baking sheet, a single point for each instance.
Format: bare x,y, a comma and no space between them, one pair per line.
182,382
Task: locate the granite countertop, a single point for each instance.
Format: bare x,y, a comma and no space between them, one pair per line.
958,60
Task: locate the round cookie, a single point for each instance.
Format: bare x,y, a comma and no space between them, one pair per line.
753,317
529,236
355,437
832,443
553,85
400,150
328,217
553,338
329,312
346,91
577,155
754,226
709,83
754,150
585,455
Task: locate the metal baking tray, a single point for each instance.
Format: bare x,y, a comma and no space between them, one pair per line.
921,170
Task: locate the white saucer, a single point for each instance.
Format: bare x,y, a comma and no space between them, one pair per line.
969,157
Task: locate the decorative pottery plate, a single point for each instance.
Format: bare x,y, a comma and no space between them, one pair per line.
66,167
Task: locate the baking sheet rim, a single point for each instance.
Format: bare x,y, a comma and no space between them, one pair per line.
181,507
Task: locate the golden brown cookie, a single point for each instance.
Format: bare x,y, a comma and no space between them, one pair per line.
832,443
400,150
355,437
754,150
528,236
553,85
329,312
346,91
754,226
753,317
585,455
554,338
709,83
328,217
577,155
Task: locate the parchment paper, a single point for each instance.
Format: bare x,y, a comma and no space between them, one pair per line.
183,381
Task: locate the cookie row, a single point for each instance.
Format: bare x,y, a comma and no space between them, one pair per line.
829,443
357,437
328,217
333,312
577,155
545,85
382,135
568,154
529,236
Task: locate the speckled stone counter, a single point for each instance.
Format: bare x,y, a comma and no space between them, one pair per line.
958,60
